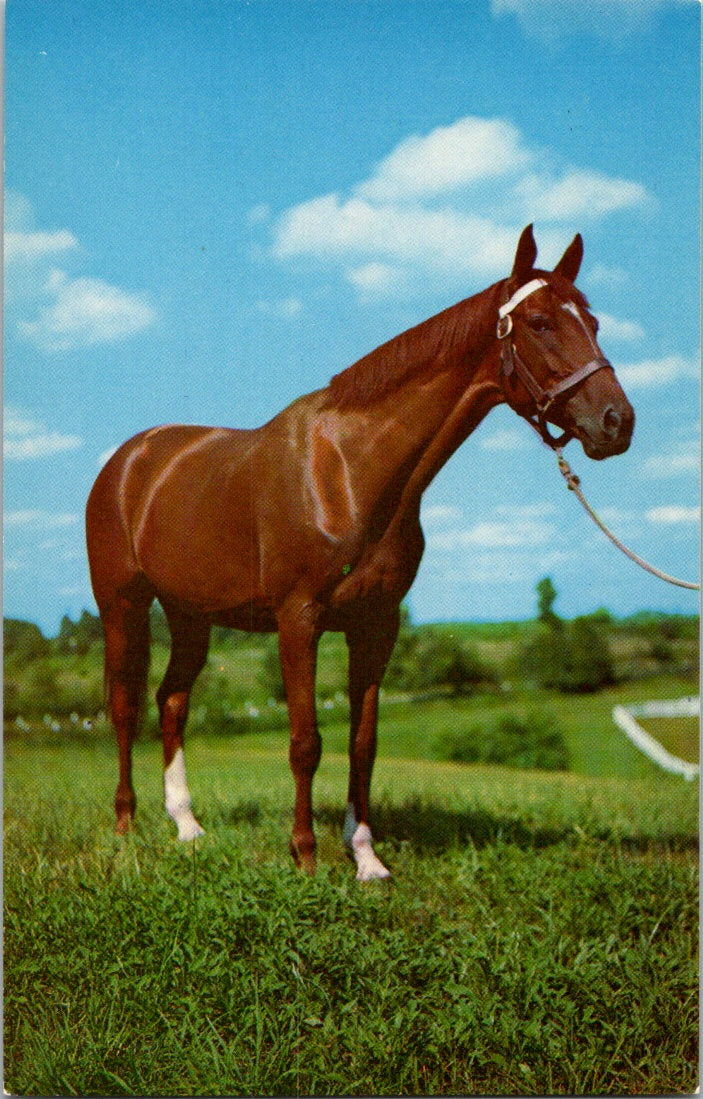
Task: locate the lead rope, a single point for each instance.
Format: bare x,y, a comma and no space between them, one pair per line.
573,482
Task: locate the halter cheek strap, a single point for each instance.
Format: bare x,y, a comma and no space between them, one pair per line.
512,363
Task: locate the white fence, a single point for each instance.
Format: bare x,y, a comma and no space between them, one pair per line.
624,718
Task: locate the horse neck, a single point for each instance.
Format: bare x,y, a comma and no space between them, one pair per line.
408,435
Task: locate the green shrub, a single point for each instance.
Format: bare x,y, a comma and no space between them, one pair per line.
533,741
40,692
662,650
11,699
575,657
23,641
76,638
427,659
659,624
270,675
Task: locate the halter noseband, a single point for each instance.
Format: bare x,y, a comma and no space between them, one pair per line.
511,362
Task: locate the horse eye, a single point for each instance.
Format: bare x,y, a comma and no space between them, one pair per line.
539,323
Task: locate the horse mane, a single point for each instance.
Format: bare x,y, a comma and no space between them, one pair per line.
431,345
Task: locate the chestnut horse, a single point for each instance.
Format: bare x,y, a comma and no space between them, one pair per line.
312,522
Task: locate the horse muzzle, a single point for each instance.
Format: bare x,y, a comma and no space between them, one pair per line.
606,433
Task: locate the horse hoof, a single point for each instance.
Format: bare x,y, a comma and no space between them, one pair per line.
304,860
124,825
374,872
189,829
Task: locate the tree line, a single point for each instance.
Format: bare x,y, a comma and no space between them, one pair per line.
578,655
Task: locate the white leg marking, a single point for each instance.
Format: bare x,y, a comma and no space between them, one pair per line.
178,798
358,837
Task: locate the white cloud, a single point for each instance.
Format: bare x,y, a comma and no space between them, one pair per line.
437,514
38,518
258,214
505,439
332,228
498,566
25,437
685,458
618,515
85,312
31,246
40,446
447,159
552,20
611,328
521,527
24,244
285,308
448,206
539,510
610,276
652,372
104,458
18,211
72,589
674,513
70,312
580,194
375,277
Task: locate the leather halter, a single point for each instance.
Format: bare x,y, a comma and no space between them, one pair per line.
512,363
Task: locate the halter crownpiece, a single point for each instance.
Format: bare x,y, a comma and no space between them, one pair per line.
520,295
511,362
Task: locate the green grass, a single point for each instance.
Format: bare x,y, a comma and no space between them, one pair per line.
540,936
679,735
416,730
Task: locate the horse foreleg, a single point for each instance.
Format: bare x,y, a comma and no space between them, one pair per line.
189,644
298,636
370,648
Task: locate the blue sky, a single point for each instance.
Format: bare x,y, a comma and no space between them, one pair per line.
212,207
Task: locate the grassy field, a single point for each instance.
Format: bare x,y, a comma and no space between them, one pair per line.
539,937
679,735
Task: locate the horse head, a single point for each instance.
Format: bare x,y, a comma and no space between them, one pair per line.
552,369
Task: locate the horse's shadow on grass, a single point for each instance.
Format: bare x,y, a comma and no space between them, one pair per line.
430,828
433,828
426,826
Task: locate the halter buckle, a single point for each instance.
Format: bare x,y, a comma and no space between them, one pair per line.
504,326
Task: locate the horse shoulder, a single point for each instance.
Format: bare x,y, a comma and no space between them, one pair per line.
329,481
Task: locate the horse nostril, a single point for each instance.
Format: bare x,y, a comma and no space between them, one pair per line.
611,422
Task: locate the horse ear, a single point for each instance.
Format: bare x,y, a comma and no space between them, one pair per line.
569,264
525,255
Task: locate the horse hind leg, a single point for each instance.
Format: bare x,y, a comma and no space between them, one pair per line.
190,638
126,627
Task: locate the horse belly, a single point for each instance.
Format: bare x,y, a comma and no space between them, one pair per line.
194,550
